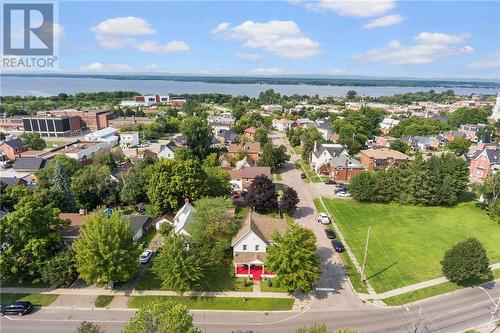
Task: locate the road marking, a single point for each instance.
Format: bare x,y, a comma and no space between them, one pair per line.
325,289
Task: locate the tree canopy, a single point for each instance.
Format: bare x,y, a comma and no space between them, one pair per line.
92,186
273,157
262,195
105,249
294,260
289,201
33,141
466,260
198,134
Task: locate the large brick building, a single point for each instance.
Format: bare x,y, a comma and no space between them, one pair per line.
93,120
375,159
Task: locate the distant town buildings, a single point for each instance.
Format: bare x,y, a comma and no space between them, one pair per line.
150,100
129,139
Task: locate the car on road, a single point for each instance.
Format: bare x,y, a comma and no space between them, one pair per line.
303,175
330,234
323,218
19,308
145,256
338,246
342,194
330,182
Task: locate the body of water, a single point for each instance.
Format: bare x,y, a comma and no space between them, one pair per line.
47,86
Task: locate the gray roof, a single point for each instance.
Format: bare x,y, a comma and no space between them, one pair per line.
325,124
332,149
228,135
30,163
14,143
493,155
343,160
137,222
11,181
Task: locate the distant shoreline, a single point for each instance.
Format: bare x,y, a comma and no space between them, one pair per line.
355,82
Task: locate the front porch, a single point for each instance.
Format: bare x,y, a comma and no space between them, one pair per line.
248,264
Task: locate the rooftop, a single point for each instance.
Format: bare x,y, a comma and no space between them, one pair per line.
385,153
261,225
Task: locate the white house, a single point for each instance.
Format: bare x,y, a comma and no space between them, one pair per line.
107,135
251,242
282,124
323,152
181,220
271,107
325,128
129,139
167,151
387,124
83,150
139,224
220,124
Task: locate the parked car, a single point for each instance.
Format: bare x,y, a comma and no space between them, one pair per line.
330,182
145,256
323,218
340,188
303,175
343,194
330,234
19,308
338,246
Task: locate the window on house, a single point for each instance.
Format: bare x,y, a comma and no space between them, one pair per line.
256,247
244,247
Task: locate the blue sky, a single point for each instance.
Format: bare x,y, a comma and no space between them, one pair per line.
378,38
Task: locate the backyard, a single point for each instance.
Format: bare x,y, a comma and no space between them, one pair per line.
407,243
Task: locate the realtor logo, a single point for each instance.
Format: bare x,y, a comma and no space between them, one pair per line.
28,36
33,24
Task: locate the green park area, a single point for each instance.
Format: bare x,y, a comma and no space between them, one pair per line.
220,303
407,243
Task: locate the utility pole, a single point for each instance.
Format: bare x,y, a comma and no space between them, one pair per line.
417,324
493,313
363,276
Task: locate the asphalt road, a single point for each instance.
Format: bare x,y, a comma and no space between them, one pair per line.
453,312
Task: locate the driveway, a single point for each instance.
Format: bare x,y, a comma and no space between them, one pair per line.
333,277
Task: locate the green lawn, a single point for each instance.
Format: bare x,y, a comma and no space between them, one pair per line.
220,303
430,291
353,273
277,177
55,144
148,237
36,299
13,282
407,243
273,289
103,301
223,282
297,150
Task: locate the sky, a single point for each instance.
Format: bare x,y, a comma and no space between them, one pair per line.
435,39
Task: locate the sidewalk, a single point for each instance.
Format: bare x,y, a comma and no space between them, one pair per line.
97,292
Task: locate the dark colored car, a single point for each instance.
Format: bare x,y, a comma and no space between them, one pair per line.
340,188
338,246
329,233
303,175
330,182
18,307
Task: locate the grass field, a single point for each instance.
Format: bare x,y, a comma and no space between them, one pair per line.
35,299
54,144
297,150
220,303
311,175
103,301
273,289
430,291
407,243
353,273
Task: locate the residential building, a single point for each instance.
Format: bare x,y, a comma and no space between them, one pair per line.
76,222
325,128
167,151
29,164
7,180
84,150
384,141
139,224
451,135
471,131
10,149
13,177
182,219
106,135
246,162
387,124
242,178
271,107
250,133
227,137
484,163
422,143
251,242
304,123
283,124
225,161
129,139
342,168
375,159
323,152
252,149
13,124
220,124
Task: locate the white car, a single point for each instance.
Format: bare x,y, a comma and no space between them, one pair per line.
343,194
145,256
323,218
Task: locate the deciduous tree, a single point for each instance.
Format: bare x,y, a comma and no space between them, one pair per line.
105,249
293,258
289,201
60,269
466,260
92,186
32,140
198,134
262,195
460,146
273,157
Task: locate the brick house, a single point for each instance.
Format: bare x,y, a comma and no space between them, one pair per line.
483,163
250,133
343,168
251,149
10,149
375,159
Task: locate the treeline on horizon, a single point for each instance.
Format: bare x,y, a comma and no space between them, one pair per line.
356,82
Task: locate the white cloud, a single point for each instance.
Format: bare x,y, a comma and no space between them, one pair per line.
384,21
123,26
175,46
152,67
353,8
266,71
120,32
488,63
250,57
337,71
283,38
99,67
429,48
224,26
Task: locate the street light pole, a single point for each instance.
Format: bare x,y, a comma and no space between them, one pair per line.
363,277
497,304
